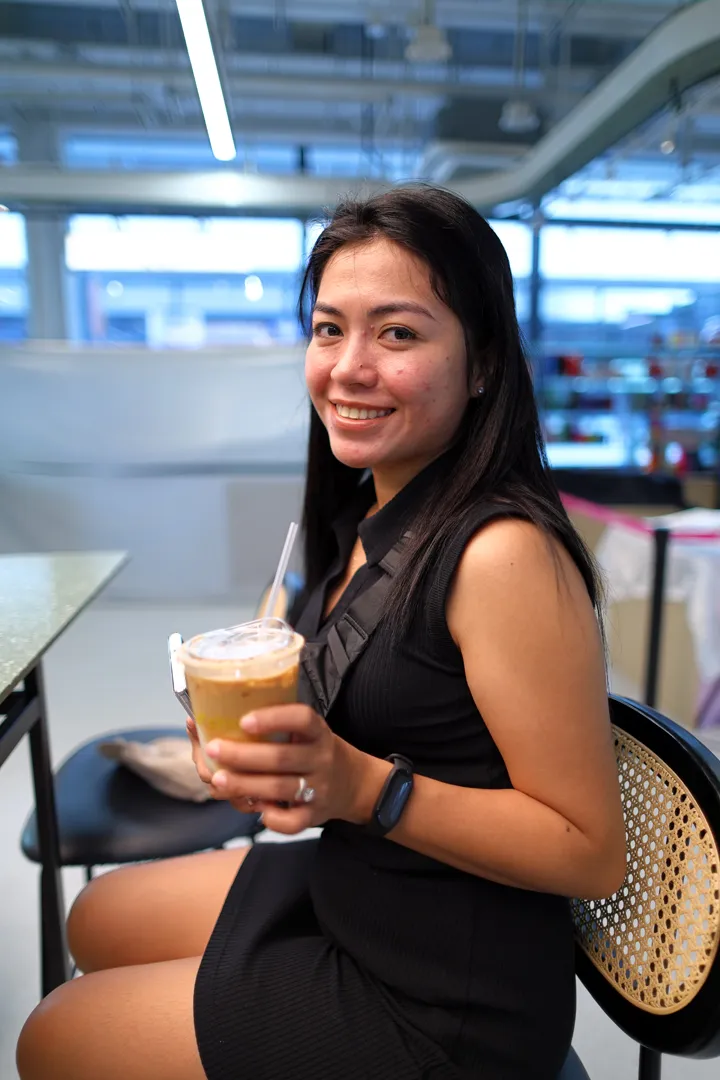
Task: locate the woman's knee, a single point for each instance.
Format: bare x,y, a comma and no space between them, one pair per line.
93,915
43,1036
129,1022
151,912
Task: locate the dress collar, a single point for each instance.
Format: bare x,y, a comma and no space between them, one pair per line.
383,529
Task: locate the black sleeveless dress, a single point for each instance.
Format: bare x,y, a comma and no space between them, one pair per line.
351,957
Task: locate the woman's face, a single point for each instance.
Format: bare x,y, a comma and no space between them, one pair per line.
386,366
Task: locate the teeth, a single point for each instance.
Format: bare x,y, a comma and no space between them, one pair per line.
361,414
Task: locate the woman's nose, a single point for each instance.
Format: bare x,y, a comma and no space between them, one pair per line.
354,363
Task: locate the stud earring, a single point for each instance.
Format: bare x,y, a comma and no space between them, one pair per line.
479,390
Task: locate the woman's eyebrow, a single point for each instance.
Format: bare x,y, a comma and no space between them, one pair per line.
393,308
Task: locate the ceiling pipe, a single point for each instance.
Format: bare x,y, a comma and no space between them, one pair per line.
494,81
682,53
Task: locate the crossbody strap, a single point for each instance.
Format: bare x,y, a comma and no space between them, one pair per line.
326,664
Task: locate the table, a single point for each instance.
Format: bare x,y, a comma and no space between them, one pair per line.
639,561
40,595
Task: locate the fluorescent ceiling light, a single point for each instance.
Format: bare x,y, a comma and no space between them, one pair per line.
518,117
429,45
207,79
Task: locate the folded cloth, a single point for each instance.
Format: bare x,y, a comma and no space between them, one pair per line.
166,764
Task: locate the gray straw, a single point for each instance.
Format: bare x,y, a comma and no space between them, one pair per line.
281,570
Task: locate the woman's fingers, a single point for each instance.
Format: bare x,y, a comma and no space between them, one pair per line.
192,731
266,789
289,821
199,758
269,757
299,721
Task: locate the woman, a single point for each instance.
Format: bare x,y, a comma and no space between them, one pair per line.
443,948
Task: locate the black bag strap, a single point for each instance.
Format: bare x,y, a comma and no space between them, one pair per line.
326,664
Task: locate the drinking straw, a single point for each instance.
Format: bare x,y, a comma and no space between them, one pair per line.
280,572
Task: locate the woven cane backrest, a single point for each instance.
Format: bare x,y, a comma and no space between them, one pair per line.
656,939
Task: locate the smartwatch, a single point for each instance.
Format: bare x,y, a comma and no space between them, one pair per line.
393,797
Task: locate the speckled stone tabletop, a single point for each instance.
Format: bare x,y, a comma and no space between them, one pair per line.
40,595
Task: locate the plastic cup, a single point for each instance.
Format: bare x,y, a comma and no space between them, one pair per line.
232,672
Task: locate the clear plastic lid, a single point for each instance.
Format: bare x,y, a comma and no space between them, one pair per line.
262,637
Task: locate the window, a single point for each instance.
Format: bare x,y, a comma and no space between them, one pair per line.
701,206
185,282
115,152
516,238
627,287
582,252
13,283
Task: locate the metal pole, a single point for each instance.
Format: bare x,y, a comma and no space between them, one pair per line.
47,276
662,539
55,956
650,1064
534,322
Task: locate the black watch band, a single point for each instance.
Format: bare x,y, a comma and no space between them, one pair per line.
393,798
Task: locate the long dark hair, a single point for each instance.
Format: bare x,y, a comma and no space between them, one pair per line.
499,448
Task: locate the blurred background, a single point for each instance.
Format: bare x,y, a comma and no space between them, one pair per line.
151,245
165,166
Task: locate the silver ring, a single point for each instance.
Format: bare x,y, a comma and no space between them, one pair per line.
304,793
251,802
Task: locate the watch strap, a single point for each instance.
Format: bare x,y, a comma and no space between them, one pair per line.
390,806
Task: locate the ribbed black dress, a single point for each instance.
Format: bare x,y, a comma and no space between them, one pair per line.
353,958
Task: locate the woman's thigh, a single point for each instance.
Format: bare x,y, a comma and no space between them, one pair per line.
129,1022
152,912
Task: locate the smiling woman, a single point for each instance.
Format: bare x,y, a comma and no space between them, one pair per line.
388,381
452,726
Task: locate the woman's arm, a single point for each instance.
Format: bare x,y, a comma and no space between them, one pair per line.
520,614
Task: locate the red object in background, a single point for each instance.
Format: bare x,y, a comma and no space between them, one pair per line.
680,467
655,369
571,364
712,370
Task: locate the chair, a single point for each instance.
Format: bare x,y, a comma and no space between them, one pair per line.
106,814
650,954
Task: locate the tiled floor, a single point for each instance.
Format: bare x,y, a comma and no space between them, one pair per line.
110,670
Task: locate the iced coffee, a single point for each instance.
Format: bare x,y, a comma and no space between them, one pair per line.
230,673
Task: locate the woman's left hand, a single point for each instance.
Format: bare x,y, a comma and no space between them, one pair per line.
256,776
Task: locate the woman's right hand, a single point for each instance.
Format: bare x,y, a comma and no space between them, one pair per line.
199,759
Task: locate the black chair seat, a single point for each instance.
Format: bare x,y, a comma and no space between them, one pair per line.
573,1069
107,814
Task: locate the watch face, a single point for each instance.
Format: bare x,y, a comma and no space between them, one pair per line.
394,800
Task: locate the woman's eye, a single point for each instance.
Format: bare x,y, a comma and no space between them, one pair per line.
326,330
400,333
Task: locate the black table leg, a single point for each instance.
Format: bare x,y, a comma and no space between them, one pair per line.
657,603
55,956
